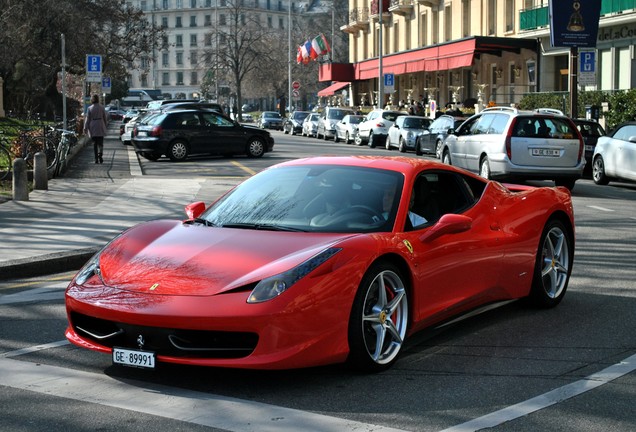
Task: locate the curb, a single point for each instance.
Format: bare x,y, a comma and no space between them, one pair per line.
46,264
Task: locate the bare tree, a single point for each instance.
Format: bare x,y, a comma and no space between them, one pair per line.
30,44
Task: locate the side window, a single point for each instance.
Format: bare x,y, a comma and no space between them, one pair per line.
468,127
482,125
625,132
498,125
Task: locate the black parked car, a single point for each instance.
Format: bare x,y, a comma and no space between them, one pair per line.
294,123
178,134
591,131
431,141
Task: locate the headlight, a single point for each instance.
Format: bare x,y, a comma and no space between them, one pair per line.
90,269
409,135
274,286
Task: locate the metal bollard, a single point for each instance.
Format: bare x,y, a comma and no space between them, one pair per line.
20,180
40,175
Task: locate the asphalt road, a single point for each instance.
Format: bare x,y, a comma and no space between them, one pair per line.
510,369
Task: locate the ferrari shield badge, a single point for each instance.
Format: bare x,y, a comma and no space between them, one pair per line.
408,245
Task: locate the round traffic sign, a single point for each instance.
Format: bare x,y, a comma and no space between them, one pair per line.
295,85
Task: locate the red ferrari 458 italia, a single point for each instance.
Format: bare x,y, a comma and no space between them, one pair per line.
321,260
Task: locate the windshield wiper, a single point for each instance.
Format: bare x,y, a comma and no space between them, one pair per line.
200,221
266,227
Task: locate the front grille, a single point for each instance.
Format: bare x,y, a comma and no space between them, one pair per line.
166,341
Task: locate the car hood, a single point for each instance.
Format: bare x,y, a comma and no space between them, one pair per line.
175,258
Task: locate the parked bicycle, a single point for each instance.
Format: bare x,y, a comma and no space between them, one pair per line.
68,139
25,146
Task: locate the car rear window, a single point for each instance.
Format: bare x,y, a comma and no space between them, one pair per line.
543,127
390,116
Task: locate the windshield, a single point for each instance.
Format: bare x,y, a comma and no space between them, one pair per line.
337,114
317,198
416,123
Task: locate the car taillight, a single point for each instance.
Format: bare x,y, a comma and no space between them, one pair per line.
509,140
155,132
581,143
379,124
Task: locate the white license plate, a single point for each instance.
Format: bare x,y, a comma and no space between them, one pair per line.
135,358
589,148
142,133
545,152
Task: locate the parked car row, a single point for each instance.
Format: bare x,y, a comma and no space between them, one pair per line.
500,143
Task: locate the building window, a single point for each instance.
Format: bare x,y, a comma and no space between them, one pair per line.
179,78
193,20
222,20
512,73
178,40
179,4
164,40
166,4
194,58
208,20
144,80
269,22
448,24
165,78
194,78
193,39
164,22
435,27
396,37
223,3
424,29
165,62
510,15
193,3
208,3
466,18
145,62
143,5
243,19
407,32
281,23
178,22
207,40
179,58
492,16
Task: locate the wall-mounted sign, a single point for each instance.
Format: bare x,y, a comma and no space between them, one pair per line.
574,23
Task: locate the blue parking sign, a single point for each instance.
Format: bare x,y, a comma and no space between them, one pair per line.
389,80
93,68
588,61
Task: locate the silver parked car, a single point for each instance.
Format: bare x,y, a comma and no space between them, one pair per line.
375,127
615,155
405,131
505,143
347,128
310,125
328,119
431,141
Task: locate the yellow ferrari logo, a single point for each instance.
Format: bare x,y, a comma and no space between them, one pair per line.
152,288
408,245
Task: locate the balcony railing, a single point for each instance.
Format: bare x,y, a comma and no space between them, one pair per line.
614,6
401,7
358,20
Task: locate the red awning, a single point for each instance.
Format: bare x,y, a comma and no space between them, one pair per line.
332,88
446,56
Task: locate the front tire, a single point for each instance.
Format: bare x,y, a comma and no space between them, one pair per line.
553,265
446,158
598,171
379,319
402,146
255,148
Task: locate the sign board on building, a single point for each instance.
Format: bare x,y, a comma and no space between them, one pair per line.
93,68
574,23
389,83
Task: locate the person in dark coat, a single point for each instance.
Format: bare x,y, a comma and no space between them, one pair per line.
95,126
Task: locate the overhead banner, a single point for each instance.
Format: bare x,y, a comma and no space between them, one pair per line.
574,23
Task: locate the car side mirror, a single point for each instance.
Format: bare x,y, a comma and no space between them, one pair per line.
448,224
195,209
451,131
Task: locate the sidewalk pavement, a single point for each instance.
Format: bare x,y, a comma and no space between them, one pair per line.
59,229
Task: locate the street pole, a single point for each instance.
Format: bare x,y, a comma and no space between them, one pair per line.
289,58
380,77
63,81
574,82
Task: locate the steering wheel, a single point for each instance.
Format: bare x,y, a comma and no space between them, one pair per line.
373,213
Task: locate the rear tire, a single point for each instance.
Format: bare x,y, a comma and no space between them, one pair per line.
418,148
178,151
484,168
372,140
446,158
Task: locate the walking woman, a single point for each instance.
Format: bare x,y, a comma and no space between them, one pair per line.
96,126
